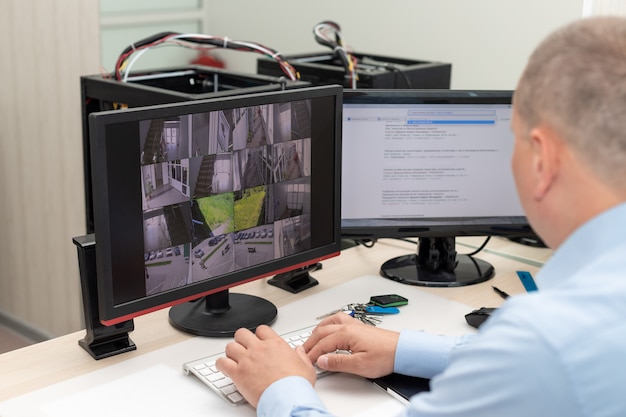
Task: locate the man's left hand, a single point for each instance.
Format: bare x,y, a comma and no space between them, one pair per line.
255,361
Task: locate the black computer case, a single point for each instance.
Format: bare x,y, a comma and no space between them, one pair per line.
373,71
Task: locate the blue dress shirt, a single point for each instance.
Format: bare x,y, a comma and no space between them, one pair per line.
560,351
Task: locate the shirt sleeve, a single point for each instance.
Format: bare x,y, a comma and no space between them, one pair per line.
425,355
292,396
489,377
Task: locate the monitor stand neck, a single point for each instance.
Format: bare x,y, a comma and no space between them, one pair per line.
437,264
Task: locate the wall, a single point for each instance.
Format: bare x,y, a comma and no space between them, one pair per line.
123,22
46,46
603,7
487,41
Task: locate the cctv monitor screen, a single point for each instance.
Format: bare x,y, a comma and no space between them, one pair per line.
430,164
193,198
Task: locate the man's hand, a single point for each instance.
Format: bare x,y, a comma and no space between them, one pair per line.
254,362
372,350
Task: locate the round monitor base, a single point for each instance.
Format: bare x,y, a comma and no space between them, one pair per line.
243,310
407,270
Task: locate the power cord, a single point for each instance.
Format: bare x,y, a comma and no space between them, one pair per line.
197,42
328,33
369,243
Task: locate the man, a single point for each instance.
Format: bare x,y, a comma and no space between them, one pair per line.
560,351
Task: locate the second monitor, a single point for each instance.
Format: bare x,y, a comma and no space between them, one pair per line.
432,164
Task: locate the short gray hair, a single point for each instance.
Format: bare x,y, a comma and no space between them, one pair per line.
575,82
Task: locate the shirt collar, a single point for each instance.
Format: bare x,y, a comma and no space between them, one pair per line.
591,240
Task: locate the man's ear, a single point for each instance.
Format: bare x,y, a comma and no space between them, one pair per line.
546,154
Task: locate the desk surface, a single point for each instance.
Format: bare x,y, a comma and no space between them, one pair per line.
45,364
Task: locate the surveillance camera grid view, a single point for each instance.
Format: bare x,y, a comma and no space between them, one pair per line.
224,190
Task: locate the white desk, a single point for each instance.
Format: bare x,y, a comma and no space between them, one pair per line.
52,377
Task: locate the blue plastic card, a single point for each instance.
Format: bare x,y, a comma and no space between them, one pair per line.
527,281
381,310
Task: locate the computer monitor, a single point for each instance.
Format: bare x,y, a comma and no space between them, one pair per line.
193,198
431,164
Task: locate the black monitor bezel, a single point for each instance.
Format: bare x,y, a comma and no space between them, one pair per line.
112,313
438,227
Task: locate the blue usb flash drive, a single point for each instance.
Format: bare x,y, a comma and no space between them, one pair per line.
527,281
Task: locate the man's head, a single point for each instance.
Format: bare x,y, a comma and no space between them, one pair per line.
570,126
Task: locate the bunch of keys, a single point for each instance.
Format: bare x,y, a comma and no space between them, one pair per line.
367,313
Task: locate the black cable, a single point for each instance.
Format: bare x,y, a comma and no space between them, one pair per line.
467,254
396,71
320,32
389,67
324,41
406,240
368,243
481,247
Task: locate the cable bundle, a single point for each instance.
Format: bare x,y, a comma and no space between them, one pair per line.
328,33
194,41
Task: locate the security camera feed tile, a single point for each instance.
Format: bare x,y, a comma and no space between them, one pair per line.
224,190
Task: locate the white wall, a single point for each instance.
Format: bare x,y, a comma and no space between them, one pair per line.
123,22
46,46
487,41
603,7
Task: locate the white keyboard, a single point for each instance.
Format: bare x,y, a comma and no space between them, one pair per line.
205,369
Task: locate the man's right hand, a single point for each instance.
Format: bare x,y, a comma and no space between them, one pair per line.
371,349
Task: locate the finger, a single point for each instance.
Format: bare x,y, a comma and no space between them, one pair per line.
244,337
339,318
302,355
311,376
265,332
234,351
337,340
319,333
335,362
225,365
